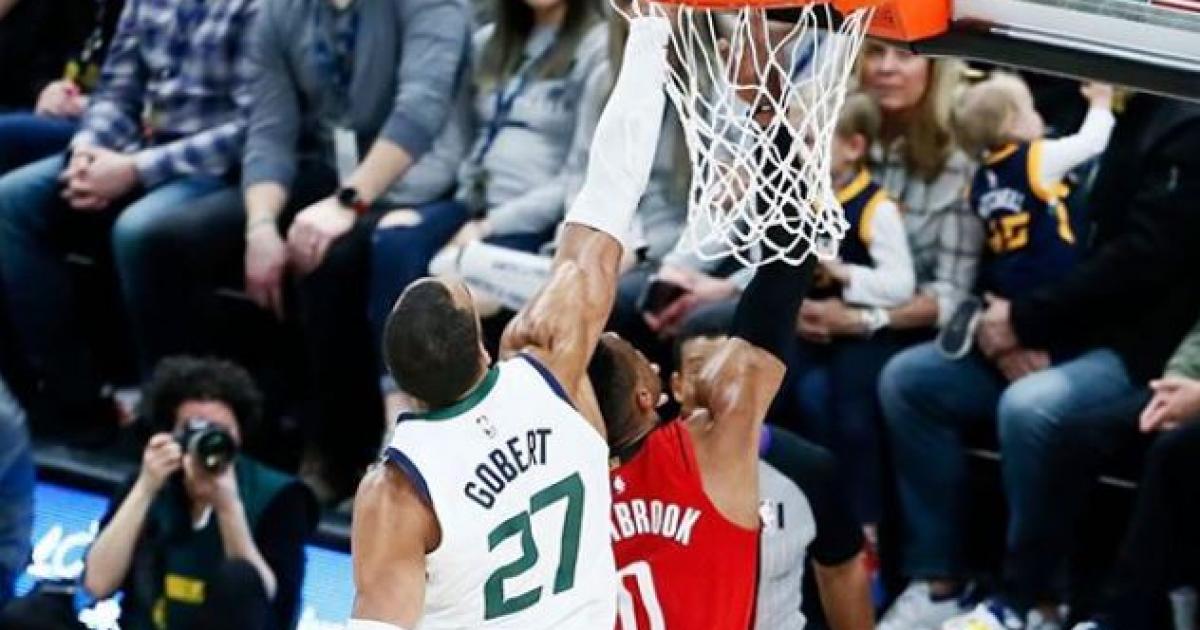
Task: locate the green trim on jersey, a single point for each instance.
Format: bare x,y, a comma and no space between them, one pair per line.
463,406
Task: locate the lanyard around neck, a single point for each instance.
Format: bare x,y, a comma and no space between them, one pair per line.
506,97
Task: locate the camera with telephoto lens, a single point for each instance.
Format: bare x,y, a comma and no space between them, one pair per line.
213,447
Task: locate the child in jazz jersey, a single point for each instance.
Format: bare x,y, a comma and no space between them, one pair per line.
1018,189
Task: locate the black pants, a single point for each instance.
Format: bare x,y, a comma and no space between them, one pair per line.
236,599
1162,548
332,306
54,314
343,416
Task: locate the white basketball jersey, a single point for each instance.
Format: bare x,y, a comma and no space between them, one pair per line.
519,482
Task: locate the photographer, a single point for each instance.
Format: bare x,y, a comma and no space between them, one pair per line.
200,539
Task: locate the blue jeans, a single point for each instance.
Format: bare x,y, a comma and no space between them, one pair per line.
26,138
834,389
38,229
929,402
16,494
401,255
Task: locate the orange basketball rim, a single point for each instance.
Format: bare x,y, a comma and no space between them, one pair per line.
899,20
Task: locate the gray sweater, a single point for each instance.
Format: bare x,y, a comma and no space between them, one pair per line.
526,178
409,60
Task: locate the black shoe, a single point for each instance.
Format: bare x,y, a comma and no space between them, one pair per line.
958,335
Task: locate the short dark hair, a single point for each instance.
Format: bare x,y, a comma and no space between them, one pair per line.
613,381
431,344
180,379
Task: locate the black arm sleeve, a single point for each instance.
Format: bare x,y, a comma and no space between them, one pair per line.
814,470
766,314
282,529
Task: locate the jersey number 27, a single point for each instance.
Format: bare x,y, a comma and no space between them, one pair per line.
499,604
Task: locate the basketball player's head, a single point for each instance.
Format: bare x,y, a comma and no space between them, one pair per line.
994,112
432,342
694,346
628,391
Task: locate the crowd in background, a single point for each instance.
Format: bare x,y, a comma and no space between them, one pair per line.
259,179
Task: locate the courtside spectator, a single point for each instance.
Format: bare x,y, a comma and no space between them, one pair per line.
804,510
165,127
922,169
194,546
1160,551
27,136
1019,193
1116,316
1018,190
349,100
507,277
531,68
16,494
874,269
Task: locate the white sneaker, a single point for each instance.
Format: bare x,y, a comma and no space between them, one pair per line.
986,616
992,615
914,609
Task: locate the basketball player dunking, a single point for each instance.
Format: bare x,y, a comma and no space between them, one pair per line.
491,509
685,493
685,497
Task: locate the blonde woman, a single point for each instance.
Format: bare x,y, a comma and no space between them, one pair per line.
917,162
921,167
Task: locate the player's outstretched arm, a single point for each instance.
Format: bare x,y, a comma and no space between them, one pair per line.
393,529
741,379
563,322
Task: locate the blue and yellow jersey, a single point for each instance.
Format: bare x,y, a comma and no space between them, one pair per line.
860,198
1029,237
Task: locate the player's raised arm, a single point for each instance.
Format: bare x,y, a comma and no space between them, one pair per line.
741,379
562,324
390,536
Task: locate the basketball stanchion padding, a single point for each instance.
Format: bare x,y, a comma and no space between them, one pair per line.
758,86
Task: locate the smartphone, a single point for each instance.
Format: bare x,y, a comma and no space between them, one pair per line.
658,295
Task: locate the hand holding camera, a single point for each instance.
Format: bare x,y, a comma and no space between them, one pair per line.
161,459
203,449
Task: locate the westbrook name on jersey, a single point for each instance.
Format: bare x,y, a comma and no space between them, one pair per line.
683,565
518,481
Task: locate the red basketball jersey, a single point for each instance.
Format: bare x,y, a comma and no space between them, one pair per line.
683,566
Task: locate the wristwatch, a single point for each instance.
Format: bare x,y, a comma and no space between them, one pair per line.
874,319
348,198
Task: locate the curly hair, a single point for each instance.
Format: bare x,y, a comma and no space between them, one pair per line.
181,379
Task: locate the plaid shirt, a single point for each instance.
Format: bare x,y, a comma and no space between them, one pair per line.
945,237
176,87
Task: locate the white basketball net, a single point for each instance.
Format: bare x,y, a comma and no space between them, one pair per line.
794,76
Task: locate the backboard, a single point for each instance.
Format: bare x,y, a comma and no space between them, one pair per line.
1151,45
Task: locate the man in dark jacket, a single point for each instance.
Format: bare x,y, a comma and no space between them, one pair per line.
1113,322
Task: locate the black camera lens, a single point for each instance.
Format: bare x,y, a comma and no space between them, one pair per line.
212,446
214,449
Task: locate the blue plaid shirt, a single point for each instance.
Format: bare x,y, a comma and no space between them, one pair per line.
176,87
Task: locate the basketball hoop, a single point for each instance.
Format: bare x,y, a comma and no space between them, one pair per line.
746,73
